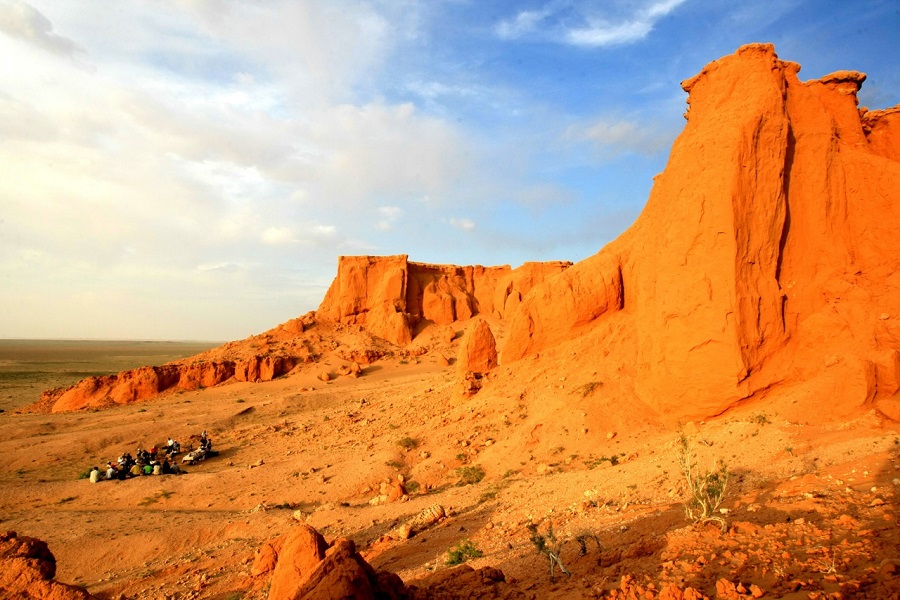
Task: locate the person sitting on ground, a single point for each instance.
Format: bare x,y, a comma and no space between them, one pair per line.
166,468
157,468
95,475
110,471
148,469
135,470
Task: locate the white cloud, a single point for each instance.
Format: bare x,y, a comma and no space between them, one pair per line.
587,25
463,224
22,21
604,33
228,149
225,267
610,137
278,235
389,216
523,23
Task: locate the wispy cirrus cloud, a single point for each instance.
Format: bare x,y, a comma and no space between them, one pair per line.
614,136
22,21
586,26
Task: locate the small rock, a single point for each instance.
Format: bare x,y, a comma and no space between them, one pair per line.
877,502
610,435
403,531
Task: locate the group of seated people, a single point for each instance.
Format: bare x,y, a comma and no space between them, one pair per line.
154,461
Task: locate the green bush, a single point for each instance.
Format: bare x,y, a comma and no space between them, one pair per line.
407,443
550,546
706,488
469,474
463,552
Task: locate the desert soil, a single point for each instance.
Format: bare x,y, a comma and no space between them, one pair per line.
810,509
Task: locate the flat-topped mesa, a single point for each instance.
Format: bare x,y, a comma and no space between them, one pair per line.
765,256
390,296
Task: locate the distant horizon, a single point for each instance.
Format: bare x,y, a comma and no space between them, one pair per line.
193,170
150,340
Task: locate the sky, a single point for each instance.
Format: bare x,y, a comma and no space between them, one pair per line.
191,170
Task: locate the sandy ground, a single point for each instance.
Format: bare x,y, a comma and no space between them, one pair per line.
811,507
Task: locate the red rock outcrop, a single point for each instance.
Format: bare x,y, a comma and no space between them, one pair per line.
766,255
145,382
390,296
258,358
477,356
304,567
27,569
477,349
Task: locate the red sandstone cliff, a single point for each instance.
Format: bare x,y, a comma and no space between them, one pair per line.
390,296
766,254
387,295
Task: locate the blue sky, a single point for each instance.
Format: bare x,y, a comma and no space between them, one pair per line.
192,169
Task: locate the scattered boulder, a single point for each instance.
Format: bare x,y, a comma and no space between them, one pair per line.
27,569
351,370
398,490
465,582
423,520
306,568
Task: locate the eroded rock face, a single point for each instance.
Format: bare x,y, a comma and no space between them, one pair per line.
295,559
146,382
766,254
390,295
306,568
27,568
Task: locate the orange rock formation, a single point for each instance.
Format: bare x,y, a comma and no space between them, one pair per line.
390,296
764,260
27,569
304,566
766,254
